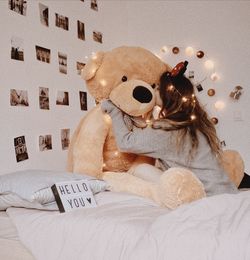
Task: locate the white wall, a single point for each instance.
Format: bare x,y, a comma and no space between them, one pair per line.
219,28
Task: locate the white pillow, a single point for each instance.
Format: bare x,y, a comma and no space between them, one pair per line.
13,200
33,187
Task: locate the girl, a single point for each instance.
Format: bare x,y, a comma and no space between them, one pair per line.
182,136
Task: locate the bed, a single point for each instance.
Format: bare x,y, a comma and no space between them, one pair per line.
122,226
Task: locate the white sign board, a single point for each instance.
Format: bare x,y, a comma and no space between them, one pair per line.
72,195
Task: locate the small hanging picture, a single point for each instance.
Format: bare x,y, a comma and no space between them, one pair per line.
17,51
97,36
19,6
44,14
80,30
83,100
94,5
62,98
44,98
79,67
19,98
223,144
191,74
20,149
62,60
65,138
199,87
236,92
45,142
43,54
62,21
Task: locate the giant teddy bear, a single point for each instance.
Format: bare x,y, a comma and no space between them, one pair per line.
128,76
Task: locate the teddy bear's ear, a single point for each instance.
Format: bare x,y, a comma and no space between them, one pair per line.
92,66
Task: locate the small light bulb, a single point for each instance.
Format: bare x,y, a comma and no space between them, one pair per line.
93,56
171,87
219,105
184,99
193,117
189,51
116,153
103,82
107,119
214,76
164,49
209,64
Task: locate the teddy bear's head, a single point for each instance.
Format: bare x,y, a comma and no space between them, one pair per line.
126,75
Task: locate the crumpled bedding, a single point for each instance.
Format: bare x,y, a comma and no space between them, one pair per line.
125,226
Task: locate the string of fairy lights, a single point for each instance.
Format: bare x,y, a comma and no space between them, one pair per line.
209,65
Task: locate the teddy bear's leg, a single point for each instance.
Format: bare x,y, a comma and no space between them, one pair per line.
85,153
147,172
124,182
178,186
233,164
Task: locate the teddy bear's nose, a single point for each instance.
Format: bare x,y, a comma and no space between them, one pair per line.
142,94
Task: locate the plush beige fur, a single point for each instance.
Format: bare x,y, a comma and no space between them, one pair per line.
233,164
93,150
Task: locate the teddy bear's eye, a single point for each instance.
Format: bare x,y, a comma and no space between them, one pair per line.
153,85
124,78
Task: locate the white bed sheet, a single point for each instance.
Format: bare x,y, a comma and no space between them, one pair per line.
128,227
10,246
7,228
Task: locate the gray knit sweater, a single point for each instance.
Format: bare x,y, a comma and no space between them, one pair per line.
161,144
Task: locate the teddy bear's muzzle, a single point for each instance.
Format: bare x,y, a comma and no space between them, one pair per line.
142,94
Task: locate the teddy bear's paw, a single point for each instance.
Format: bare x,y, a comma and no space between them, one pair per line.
125,182
178,186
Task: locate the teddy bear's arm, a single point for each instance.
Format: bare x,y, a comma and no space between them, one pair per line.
86,146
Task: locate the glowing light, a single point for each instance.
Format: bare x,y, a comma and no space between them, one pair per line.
171,87
93,56
104,165
107,119
214,76
184,99
193,117
209,64
103,82
148,122
164,49
189,51
116,153
219,105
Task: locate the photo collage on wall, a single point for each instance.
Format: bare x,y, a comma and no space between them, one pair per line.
19,97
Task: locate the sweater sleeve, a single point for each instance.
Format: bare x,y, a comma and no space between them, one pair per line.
140,141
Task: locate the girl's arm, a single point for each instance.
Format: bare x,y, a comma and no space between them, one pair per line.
145,141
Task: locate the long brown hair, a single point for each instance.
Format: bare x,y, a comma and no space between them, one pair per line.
182,110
